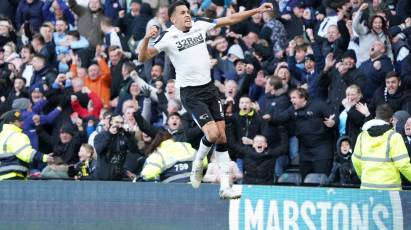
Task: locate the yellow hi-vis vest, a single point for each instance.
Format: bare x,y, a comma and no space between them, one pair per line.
379,160
15,152
170,162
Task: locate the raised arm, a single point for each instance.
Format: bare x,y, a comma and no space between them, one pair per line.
145,53
241,16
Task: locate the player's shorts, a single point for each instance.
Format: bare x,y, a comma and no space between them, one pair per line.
203,103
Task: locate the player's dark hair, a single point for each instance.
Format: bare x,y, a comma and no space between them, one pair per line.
173,6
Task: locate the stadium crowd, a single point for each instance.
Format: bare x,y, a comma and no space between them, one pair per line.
299,84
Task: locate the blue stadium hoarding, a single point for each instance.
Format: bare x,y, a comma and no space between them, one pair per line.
278,207
124,205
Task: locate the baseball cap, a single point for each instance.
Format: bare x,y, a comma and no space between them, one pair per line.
12,116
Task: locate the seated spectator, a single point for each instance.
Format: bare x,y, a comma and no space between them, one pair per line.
212,174
343,172
83,169
55,169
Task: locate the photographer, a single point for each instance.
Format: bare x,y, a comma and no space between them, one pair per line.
112,147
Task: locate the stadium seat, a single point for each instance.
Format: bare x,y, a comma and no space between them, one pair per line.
314,179
289,179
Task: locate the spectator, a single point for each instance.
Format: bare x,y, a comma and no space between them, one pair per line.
83,169
259,160
380,154
390,94
59,11
89,20
7,33
98,79
112,146
337,78
376,30
117,59
126,20
351,117
313,120
43,73
407,136
343,172
375,69
30,11
93,108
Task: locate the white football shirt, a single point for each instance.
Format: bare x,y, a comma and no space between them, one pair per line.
188,53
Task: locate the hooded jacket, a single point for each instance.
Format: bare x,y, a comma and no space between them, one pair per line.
379,157
343,171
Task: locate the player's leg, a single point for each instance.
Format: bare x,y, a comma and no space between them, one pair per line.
210,131
223,160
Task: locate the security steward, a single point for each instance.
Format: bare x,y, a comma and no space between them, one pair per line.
380,154
168,160
16,151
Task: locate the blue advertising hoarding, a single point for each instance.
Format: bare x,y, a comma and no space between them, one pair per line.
263,207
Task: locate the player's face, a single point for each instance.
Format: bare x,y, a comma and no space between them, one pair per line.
182,18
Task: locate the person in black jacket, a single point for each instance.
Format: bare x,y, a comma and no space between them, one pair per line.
375,69
246,125
66,147
274,102
313,120
350,118
390,94
337,78
343,172
259,160
112,148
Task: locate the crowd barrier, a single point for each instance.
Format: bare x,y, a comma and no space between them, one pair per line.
124,205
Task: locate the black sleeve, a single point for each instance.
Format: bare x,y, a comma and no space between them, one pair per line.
145,126
44,136
344,40
282,117
101,142
238,149
283,147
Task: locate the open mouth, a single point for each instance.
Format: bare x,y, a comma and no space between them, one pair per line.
260,148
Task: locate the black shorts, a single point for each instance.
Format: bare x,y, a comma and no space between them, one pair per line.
203,103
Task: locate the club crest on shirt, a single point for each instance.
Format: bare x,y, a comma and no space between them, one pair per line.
189,42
